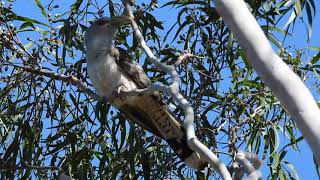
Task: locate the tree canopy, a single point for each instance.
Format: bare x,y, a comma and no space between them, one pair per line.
49,124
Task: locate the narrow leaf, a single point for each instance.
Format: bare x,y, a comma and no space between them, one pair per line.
41,7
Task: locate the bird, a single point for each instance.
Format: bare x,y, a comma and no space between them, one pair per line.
112,70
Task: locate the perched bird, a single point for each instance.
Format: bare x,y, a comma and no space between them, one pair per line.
113,70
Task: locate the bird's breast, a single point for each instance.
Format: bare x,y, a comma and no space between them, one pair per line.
106,76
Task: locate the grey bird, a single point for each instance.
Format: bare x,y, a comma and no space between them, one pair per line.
113,70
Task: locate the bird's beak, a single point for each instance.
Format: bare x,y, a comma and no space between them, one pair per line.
120,20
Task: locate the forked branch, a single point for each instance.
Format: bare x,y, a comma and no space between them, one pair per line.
173,90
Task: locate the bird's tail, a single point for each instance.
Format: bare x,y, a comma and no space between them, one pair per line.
190,157
155,116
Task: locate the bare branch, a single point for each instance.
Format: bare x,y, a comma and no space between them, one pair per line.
71,79
284,83
82,87
173,90
244,158
253,158
184,57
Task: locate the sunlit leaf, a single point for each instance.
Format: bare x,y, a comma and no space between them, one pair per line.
310,20
292,170
41,7
315,58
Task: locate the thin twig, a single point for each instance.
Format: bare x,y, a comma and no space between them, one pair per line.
71,79
82,87
17,41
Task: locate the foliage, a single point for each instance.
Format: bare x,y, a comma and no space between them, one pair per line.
49,126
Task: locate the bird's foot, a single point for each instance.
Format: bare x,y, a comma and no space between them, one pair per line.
118,92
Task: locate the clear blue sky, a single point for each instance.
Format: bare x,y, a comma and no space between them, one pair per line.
301,160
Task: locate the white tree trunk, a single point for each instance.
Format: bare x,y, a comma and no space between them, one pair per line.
284,83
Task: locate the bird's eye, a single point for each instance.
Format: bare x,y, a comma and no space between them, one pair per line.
102,22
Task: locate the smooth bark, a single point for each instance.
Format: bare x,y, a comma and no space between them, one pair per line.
294,96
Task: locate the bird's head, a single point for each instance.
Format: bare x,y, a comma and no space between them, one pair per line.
101,31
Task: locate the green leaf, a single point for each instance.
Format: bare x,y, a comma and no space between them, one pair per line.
210,107
313,6
274,139
315,59
274,40
200,175
25,107
115,172
189,36
180,28
123,132
25,25
282,155
316,166
173,3
76,6
292,18
297,7
310,20
244,58
26,19
292,170
67,125
179,17
167,34
274,28
27,46
282,175
41,7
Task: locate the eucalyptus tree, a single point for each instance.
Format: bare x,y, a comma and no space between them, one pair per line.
52,122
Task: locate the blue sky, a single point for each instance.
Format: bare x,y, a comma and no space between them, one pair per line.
302,160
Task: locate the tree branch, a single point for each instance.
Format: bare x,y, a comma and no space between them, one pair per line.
173,90
183,57
251,169
294,96
71,79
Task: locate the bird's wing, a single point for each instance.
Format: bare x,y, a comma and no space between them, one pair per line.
132,69
135,73
153,114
